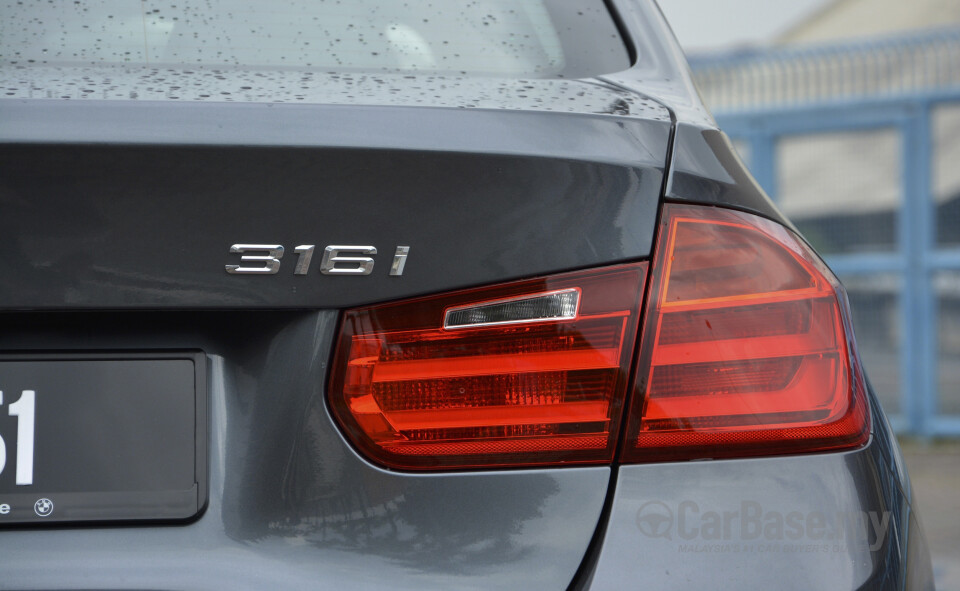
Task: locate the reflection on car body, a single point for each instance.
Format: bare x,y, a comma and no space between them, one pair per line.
473,297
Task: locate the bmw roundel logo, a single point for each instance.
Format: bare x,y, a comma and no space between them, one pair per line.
43,507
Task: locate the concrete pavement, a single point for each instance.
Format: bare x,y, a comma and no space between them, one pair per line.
935,473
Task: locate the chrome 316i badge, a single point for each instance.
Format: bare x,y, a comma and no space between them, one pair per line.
264,259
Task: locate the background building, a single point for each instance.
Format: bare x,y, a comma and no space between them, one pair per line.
842,20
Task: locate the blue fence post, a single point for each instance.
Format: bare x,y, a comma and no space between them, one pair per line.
916,243
927,227
763,164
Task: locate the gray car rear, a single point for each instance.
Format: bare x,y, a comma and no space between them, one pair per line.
120,210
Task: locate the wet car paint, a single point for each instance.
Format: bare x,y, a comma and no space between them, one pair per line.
152,226
291,504
825,521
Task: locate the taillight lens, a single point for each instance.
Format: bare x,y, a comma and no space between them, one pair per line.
746,350
745,346
528,373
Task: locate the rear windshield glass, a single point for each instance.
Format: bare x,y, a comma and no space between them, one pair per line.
521,38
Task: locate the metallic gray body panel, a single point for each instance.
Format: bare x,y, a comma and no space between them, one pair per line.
829,484
291,505
594,137
101,223
136,84
859,494
705,169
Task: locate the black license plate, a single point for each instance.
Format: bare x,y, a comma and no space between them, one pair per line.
102,437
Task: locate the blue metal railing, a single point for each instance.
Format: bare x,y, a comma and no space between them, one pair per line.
761,96
903,64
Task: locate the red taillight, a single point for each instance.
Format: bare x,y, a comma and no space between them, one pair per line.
744,349
533,372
